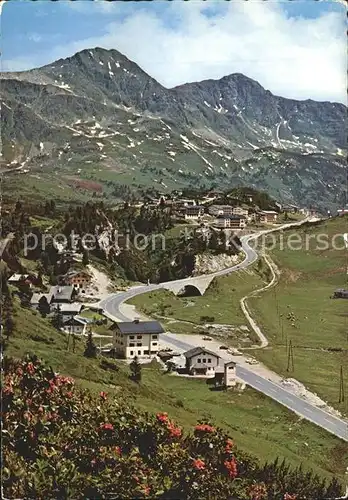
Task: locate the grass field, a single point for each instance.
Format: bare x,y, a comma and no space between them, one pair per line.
220,302
300,309
257,424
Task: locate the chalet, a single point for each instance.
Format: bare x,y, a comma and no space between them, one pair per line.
194,212
220,210
201,361
225,376
22,280
15,279
78,279
342,211
69,310
62,294
230,222
75,324
136,338
268,216
56,295
37,297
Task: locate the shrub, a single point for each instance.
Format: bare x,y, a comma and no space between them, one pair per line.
60,441
207,319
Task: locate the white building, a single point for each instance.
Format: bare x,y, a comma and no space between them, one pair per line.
230,221
76,324
230,374
69,310
201,361
268,216
137,338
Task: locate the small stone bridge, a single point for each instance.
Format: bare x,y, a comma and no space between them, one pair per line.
190,286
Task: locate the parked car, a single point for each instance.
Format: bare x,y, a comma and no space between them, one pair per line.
234,352
223,347
251,361
207,338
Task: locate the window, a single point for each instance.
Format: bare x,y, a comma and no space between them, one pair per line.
139,344
155,336
230,367
131,337
204,360
146,352
139,353
199,360
154,343
131,353
209,360
139,336
131,344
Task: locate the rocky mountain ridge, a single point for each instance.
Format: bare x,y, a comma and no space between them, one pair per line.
98,116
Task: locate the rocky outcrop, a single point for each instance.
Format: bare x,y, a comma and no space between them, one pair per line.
208,263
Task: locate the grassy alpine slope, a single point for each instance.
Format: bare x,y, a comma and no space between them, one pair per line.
257,424
300,309
220,303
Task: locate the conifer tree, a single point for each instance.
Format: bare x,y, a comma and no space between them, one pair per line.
90,349
44,307
135,368
57,320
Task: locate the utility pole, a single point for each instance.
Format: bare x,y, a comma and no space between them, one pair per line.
69,333
341,396
290,358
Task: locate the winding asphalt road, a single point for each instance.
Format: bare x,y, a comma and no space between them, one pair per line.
320,417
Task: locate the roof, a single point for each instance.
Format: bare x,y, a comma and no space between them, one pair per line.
198,350
18,277
141,327
233,363
67,308
36,297
268,212
62,292
76,319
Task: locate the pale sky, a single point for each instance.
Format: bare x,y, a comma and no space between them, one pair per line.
295,49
